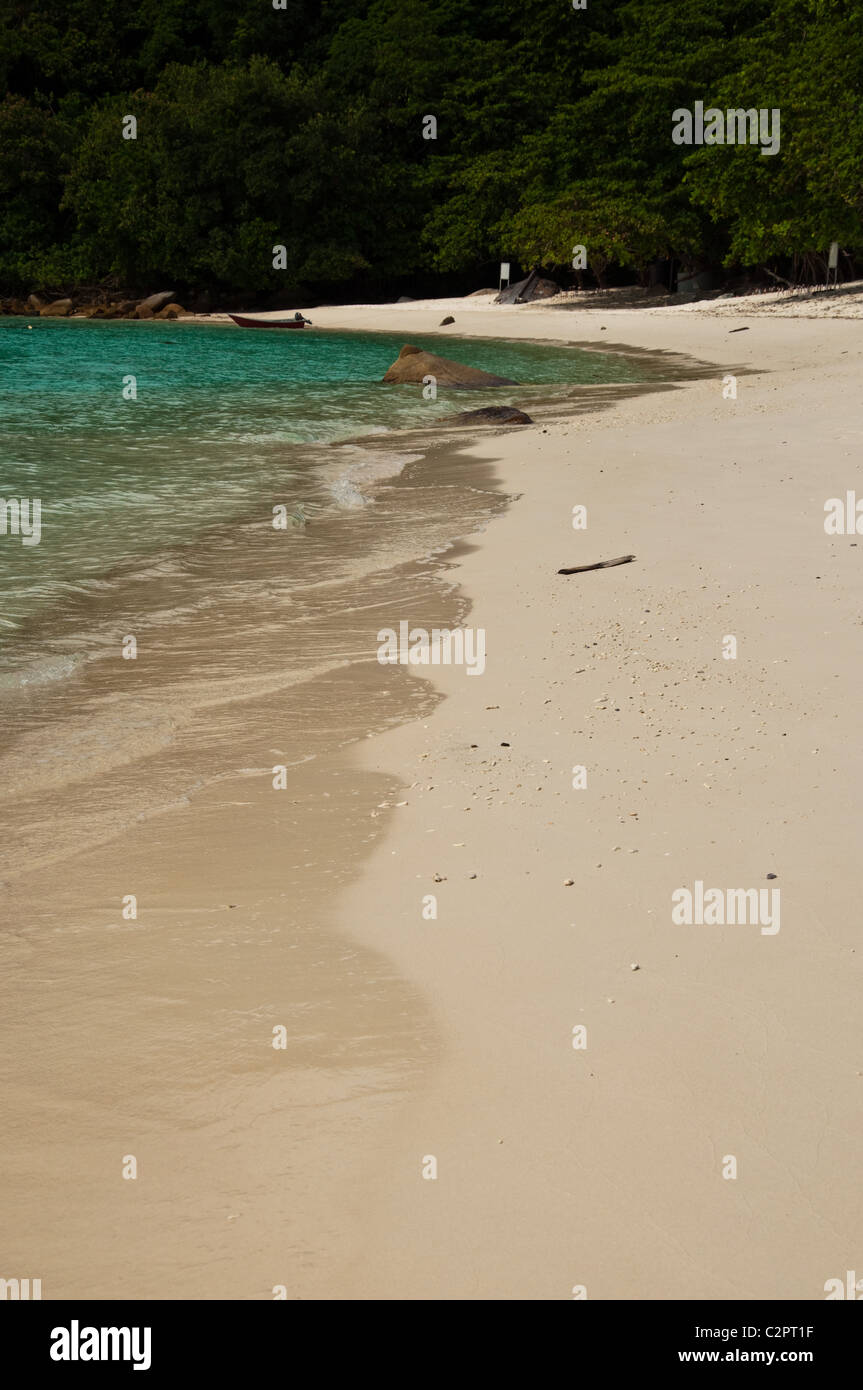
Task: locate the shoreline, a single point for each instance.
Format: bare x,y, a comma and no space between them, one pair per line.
550,1177
603,1168
171,1014
438,445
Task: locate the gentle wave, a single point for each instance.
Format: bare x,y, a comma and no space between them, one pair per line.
43,671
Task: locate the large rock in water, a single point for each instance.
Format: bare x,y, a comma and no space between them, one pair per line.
489,415
412,365
60,309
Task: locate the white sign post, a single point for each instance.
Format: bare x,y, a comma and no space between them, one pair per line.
504,274
833,263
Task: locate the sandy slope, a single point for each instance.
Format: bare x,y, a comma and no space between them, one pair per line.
603,1167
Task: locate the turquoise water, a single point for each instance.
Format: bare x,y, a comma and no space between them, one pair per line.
211,436
157,523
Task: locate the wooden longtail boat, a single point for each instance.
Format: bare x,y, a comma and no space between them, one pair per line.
242,321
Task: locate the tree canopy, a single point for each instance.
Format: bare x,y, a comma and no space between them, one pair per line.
305,126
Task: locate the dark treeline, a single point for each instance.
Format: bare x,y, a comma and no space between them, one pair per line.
303,127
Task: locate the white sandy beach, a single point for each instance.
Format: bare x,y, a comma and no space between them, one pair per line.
603,1167
416,1042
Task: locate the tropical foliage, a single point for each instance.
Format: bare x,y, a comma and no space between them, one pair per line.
304,126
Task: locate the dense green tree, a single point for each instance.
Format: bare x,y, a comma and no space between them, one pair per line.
303,126
228,162
806,59
34,152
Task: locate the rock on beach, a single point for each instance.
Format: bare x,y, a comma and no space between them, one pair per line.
413,364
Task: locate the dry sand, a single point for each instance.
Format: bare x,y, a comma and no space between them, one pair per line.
603,1167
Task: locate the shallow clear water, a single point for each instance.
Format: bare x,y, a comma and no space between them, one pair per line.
158,524
207,438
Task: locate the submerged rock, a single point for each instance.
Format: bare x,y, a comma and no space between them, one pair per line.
412,365
490,415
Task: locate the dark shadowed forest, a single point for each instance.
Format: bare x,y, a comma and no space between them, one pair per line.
305,125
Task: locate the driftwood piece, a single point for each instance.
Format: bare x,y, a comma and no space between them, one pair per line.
600,565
